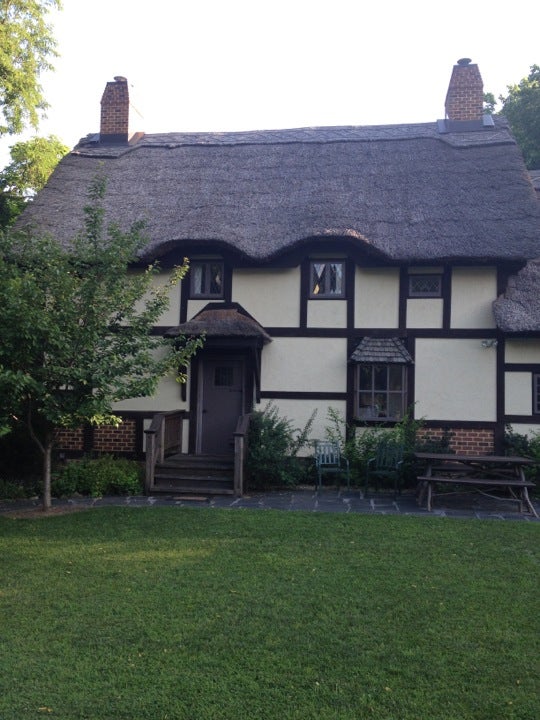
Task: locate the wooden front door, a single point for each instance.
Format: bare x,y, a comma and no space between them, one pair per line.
220,403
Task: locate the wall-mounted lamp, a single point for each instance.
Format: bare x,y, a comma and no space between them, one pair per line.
489,343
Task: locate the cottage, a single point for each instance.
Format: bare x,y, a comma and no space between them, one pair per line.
366,269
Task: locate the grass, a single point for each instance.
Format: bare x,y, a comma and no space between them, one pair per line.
198,614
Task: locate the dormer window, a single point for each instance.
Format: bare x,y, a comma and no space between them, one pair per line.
207,279
327,279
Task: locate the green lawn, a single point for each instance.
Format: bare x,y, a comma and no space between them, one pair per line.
178,613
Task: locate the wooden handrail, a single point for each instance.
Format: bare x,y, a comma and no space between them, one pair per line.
240,452
163,436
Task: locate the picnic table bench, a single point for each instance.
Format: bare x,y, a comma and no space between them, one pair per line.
480,473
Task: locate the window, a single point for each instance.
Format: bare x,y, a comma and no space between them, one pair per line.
381,391
536,394
224,376
327,279
207,279
423,286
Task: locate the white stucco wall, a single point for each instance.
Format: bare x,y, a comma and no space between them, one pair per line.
305,365
167,397
272,297
517,393
299,412
455,380
195,306
522,351
172,315
424,313
473,293
376,303
327,313
526,429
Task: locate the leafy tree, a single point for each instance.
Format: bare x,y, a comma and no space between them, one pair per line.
26,44
32,162
489,104
522,109
76,329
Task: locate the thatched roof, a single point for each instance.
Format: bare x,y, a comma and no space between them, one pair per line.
219,320
518,310
402,192
535,179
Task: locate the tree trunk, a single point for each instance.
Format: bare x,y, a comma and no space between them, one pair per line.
46,471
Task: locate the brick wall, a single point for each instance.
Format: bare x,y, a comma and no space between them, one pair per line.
464,441
106,439
115,439
70,439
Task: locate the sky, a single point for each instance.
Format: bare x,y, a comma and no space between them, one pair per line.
221,65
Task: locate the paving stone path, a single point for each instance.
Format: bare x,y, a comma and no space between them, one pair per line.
307,500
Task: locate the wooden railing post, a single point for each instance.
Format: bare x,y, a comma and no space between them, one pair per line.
164,434
150,460
240,453
238,464
161,445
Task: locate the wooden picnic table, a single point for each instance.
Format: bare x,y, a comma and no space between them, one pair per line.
483,473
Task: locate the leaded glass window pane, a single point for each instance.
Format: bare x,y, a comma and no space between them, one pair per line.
425,285
327,279
207,279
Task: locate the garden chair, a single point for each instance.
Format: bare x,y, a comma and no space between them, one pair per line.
328,459
385,465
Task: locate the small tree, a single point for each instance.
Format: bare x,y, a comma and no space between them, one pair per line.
26,46
32,163
522,108
76,329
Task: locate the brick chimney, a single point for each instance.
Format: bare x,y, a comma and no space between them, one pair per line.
115,112
465,96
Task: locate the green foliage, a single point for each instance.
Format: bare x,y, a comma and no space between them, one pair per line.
359,443
76,327
20,455
522,109
273,447
12,490
26,45
32,163
105,475
489,104
526,446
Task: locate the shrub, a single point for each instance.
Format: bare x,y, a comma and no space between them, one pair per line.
12,490
273,447
105,475
359,443
527,446
14,487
